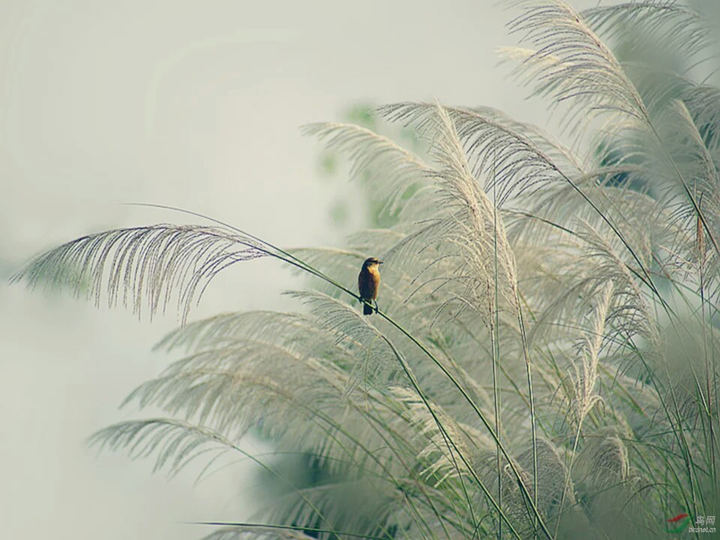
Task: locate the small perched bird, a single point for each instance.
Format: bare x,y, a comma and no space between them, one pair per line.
369,283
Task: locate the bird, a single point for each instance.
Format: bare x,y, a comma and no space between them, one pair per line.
369,283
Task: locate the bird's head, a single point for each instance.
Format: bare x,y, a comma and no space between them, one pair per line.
371,262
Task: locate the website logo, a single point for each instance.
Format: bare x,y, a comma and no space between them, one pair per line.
683,522
678,524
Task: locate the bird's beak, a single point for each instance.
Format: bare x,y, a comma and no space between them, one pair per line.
380,262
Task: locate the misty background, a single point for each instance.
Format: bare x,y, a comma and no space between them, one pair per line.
194,105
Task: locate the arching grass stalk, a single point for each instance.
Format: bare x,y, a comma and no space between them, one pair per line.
708,369
566,482
531,398
495,345
289,258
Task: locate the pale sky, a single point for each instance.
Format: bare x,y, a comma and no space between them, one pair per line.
196,105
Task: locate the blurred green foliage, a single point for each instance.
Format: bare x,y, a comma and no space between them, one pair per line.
354,204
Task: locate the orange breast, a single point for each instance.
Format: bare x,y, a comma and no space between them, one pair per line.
368,283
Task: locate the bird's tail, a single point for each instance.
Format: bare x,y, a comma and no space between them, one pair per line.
367,309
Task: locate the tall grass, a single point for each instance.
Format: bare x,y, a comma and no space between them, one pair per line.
544,364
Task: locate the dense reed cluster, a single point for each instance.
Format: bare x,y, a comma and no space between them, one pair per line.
544,362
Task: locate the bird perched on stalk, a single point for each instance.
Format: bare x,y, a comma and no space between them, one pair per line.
369,283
